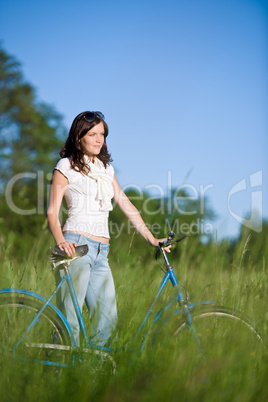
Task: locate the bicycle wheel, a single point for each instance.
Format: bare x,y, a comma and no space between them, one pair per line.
17,311
220,341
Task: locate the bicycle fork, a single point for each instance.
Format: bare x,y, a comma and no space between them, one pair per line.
191,327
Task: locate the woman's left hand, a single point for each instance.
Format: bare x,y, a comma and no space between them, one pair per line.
156,242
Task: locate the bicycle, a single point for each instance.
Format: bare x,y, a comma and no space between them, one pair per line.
46,337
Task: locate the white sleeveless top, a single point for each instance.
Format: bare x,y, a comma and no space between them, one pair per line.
88,197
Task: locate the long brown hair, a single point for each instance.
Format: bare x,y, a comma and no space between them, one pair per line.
72,147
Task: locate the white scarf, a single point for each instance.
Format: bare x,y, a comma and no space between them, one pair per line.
104,183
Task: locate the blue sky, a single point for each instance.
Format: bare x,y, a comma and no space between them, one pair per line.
183,86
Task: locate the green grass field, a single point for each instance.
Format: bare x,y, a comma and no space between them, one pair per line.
170,371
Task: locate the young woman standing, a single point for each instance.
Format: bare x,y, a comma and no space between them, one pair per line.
85,177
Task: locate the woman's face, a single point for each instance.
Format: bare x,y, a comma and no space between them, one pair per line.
93,141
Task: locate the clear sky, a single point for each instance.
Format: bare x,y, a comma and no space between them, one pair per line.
182,84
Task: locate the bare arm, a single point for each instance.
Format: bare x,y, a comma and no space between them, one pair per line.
58,187
133,214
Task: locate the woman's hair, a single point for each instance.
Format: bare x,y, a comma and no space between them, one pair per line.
73,148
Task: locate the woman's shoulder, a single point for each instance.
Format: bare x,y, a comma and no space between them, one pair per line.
64,166
63,163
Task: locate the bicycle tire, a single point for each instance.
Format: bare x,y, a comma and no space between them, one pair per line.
17,310
226,340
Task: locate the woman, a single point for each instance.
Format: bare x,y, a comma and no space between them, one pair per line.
85,177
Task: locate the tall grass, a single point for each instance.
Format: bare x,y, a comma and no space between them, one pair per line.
163,373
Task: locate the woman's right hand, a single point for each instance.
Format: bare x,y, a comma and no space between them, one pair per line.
68,247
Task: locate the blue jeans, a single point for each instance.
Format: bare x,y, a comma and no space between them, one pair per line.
93,283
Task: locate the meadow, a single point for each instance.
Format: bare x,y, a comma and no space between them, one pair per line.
165,372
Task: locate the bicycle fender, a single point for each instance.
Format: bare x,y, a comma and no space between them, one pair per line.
43,299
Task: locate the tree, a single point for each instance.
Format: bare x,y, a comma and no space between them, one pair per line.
31,134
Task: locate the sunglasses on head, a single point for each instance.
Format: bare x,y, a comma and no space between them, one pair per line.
90,116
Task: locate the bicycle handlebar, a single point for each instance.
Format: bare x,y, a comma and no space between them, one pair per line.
168,242
170,238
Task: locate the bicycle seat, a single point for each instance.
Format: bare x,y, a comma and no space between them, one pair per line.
58,257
